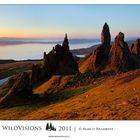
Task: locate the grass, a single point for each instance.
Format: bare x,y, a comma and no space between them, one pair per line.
114,99
98,103
66,94
21,110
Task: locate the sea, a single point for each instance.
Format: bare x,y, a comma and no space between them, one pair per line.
35,50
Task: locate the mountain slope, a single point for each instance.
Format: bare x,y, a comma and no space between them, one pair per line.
86,64
116,98
54,84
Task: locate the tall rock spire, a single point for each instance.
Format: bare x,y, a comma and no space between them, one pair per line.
101,53
66,42
105,34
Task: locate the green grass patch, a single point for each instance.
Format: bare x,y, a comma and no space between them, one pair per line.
66,94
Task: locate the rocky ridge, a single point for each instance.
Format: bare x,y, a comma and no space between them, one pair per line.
116,57
58,61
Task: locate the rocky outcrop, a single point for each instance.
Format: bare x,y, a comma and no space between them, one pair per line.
66,43
20,91
135,48
22,86
120,55
101,53
58,61
37,72
98,59
105,34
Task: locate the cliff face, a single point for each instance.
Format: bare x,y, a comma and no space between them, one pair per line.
58,61
120,55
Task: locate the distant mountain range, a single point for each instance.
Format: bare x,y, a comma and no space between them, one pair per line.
4,41
85,51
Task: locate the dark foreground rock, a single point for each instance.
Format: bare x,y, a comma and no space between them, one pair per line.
22,85
135,48
20,92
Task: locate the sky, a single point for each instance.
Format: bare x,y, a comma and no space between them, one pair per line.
79,21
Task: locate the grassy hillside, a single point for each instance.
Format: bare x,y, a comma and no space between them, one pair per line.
117,98
86,64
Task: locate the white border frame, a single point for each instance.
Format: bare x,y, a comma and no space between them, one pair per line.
69,1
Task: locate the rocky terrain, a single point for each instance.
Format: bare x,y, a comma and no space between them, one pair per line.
117,57
104,85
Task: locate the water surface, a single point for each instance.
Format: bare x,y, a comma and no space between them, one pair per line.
2,81
33,51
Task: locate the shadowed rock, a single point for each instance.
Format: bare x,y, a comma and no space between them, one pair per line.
37,73
135,48
21,90
105,34
120,54
101,53
58,61
22,85
66,43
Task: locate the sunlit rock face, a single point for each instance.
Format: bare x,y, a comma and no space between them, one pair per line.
120,54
